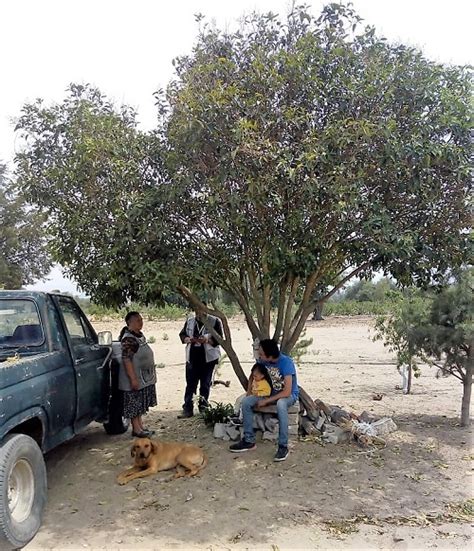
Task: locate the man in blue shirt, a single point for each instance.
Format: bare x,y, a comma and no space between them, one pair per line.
282,372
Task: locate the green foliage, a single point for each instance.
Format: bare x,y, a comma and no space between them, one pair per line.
151,340
290,156
396,329
23,253
439,332
150,312
165,336
87,166
368,291
301,347
356,308
217,412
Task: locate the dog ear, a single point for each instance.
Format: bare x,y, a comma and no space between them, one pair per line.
132,451
154,449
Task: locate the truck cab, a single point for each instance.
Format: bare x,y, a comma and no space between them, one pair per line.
55,379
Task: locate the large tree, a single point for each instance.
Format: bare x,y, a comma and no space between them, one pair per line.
23,254
290,157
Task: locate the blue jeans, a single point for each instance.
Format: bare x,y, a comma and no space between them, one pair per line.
282,411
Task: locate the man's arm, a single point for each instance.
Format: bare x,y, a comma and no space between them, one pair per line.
183,336
284,393
218,329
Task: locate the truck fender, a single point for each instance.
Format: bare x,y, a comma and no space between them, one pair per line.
24,416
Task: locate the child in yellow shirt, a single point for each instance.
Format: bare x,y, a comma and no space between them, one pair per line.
261,382
261,386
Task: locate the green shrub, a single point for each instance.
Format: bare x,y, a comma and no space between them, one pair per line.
217,412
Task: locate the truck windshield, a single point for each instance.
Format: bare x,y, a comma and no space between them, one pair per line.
20,325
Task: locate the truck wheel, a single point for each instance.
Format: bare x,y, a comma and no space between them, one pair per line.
116,424
22,490
118,427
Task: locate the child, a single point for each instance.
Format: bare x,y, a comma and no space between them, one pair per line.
261,386
261,382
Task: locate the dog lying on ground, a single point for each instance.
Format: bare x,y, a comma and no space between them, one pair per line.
151,456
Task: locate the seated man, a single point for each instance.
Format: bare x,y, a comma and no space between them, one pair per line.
285,393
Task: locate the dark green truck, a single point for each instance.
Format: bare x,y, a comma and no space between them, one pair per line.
56,377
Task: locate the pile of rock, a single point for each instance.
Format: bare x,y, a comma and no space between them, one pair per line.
335,425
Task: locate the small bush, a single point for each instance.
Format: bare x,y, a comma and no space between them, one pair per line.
151,340
165,336
217,412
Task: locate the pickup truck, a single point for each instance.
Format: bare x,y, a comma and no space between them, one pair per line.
56,377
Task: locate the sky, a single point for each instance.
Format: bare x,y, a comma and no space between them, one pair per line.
126,48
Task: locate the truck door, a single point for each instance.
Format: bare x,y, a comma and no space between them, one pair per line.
89,361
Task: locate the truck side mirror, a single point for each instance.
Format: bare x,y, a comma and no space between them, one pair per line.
105,338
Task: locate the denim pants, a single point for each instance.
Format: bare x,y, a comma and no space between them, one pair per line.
282,411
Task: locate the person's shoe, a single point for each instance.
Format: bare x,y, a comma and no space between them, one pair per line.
242,446
185,414
236,421
281,454
149,431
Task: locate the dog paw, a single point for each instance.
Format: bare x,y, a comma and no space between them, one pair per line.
121,481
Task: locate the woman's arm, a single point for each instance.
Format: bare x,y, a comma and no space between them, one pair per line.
128,364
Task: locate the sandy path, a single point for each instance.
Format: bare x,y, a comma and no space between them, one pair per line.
249,502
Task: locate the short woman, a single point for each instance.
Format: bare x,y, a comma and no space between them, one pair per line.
137,377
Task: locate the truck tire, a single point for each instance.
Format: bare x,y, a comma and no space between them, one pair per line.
116,424
23,490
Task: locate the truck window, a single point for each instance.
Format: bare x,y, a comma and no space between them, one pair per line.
20,324
76,325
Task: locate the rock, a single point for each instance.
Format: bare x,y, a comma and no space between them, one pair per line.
367,417
320,421
232,432
267,435
219,430
386,425
335,435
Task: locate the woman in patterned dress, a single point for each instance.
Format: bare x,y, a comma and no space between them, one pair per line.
137,376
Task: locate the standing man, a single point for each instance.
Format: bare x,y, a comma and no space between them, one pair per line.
282,372
202,355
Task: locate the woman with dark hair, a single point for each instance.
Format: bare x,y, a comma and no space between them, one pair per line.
137,376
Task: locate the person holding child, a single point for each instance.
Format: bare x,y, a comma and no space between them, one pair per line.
282,372
261,385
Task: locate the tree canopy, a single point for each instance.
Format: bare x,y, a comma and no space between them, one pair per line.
23,255
290,156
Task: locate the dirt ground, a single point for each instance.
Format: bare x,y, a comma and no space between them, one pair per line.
322,497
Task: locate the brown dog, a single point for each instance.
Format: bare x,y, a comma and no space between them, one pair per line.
151,456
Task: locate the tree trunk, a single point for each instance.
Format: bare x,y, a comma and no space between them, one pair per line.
318,312
237,367
466,397
410,375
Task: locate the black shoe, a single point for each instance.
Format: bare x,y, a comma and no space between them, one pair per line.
281,454
185,414
242,446
236,421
